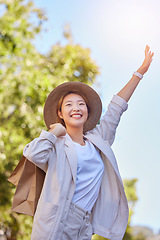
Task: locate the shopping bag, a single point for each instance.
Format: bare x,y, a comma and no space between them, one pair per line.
29,181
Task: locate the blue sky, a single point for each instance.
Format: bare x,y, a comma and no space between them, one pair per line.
117,31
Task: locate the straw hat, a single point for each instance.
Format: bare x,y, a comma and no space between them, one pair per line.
93,102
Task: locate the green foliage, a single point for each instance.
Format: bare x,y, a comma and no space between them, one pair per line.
142,233
140,236
130,190
97,237
26,78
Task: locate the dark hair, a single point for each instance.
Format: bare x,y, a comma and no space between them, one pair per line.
59,105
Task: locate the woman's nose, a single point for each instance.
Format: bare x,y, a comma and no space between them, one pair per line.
76,107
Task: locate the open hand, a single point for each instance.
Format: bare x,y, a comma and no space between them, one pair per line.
147,61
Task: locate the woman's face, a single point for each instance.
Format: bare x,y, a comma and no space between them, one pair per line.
74,111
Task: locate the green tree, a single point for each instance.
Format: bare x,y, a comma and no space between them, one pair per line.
140,236
130,190
26,78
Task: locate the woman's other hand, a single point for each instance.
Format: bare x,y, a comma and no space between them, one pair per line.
57,129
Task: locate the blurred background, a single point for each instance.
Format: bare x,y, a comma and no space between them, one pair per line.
101,43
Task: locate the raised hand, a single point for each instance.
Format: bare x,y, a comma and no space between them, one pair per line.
127,91
147,61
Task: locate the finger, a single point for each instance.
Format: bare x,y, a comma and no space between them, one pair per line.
52,125
151,55
147,49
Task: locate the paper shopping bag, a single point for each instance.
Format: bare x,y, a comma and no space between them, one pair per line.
29,181
17,172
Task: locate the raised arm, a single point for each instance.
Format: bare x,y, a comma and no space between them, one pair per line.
129,88
110,121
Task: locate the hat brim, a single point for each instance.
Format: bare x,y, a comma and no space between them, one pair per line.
93,101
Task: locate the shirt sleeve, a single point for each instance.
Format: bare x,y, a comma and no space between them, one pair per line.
37,151
110,120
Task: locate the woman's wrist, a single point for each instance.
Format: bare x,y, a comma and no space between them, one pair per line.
139,75
142,70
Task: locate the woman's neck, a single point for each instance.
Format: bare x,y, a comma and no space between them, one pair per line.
76,135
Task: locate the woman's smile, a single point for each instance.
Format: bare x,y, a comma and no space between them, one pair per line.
74,111
76,115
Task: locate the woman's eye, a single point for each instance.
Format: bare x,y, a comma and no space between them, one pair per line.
81,104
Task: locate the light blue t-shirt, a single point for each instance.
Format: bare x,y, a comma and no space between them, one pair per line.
90,169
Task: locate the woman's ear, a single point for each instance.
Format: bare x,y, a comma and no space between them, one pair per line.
60,114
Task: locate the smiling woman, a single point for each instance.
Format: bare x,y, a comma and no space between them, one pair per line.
82,176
